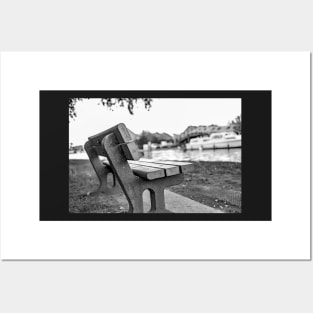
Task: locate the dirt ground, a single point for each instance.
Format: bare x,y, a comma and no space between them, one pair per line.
216,184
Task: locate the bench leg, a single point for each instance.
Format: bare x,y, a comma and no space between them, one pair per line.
104,185
135,202
157,200
102,172
130,184
157,192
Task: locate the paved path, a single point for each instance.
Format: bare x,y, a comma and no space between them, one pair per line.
175,203
179,204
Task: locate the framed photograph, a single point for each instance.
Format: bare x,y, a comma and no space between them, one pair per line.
190,146
159,156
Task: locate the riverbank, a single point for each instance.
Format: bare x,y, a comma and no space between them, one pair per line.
216,184
175,154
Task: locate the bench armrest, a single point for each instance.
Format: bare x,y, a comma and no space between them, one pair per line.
123,137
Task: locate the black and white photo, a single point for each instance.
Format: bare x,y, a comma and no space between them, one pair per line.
186,155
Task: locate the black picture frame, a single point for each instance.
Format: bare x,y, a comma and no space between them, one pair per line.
256,155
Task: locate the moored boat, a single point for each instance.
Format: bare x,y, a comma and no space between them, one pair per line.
223,140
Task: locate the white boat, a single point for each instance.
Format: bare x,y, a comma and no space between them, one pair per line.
224,140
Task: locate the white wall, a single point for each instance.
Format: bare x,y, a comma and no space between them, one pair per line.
45,286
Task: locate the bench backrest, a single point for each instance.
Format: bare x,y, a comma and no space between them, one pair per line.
123,137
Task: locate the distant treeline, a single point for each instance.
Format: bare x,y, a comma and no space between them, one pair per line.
146,137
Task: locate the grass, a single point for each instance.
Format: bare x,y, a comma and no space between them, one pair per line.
216,184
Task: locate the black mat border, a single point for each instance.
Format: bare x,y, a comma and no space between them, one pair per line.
256,156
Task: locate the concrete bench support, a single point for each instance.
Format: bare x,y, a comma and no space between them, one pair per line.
134,186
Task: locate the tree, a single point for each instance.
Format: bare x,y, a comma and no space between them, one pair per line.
143,139
236,124
111,103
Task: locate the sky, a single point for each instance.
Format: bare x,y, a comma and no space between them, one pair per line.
172,116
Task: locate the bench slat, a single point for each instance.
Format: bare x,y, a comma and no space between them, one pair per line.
185,167
170,170
146,172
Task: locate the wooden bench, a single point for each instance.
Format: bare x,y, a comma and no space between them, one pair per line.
133,175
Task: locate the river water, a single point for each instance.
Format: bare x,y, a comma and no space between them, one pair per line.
175,154
224,155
